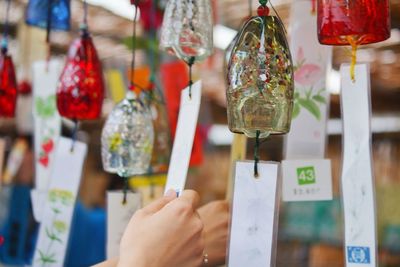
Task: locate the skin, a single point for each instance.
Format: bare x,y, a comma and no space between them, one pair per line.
215,216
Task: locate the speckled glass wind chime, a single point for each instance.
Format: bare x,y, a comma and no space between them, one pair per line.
260,80
128,134
8,82
80,90
187,31
353,22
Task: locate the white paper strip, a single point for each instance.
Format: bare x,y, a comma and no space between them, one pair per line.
254,215
118,217
357,178
184,136
47,121
59,206
307,136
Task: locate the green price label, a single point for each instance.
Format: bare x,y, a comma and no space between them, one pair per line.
306,175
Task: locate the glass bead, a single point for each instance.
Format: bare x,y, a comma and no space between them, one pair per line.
37,14
80,91
341,22
263,11
260,79
8,86
127,138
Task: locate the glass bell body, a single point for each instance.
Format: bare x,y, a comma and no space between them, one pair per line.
162,139
127,138
80,91
364,21
8,86
188,29
260,79
38,10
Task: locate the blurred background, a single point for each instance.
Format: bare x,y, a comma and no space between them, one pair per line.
310,233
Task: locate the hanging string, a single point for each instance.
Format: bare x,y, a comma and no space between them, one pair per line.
190,64
134,2
125,190
74,135
354,47
256,153
313,7
4,42
279,18
48,29
250,8
84,25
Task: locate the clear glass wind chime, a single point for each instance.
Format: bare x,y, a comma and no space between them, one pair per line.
8,82
80,90
128,134
187,31
260,79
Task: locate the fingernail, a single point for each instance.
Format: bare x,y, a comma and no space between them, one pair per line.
170,193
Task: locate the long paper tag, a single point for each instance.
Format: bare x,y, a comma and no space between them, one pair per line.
184,136
307,180
59,207
307,136
118,217
254,215
357,177
47,121
47,127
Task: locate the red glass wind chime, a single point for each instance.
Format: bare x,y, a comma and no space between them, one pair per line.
353,22
80,91
8,82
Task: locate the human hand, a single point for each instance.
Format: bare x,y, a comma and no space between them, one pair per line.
167,232
215,217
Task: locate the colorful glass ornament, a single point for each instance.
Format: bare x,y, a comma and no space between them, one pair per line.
127,138
363,22
37,14
260,79
354,23
187,29
80,91
8,84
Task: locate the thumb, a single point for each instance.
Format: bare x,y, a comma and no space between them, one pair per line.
158,204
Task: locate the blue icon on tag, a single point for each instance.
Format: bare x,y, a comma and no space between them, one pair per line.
358,255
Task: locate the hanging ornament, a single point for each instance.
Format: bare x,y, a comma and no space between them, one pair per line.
128,134
80,91
260,78
53,14
187,29
8,82
353,23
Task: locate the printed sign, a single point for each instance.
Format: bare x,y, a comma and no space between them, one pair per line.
307,180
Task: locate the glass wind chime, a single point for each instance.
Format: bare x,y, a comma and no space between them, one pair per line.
8,82
80,90
128,134
154,99
260,79
354,23
187,31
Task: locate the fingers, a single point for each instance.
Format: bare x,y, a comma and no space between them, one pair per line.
191,197
158,204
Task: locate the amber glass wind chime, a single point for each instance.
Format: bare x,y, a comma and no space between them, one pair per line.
353,22
187,31
8,82
128,134
260,79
